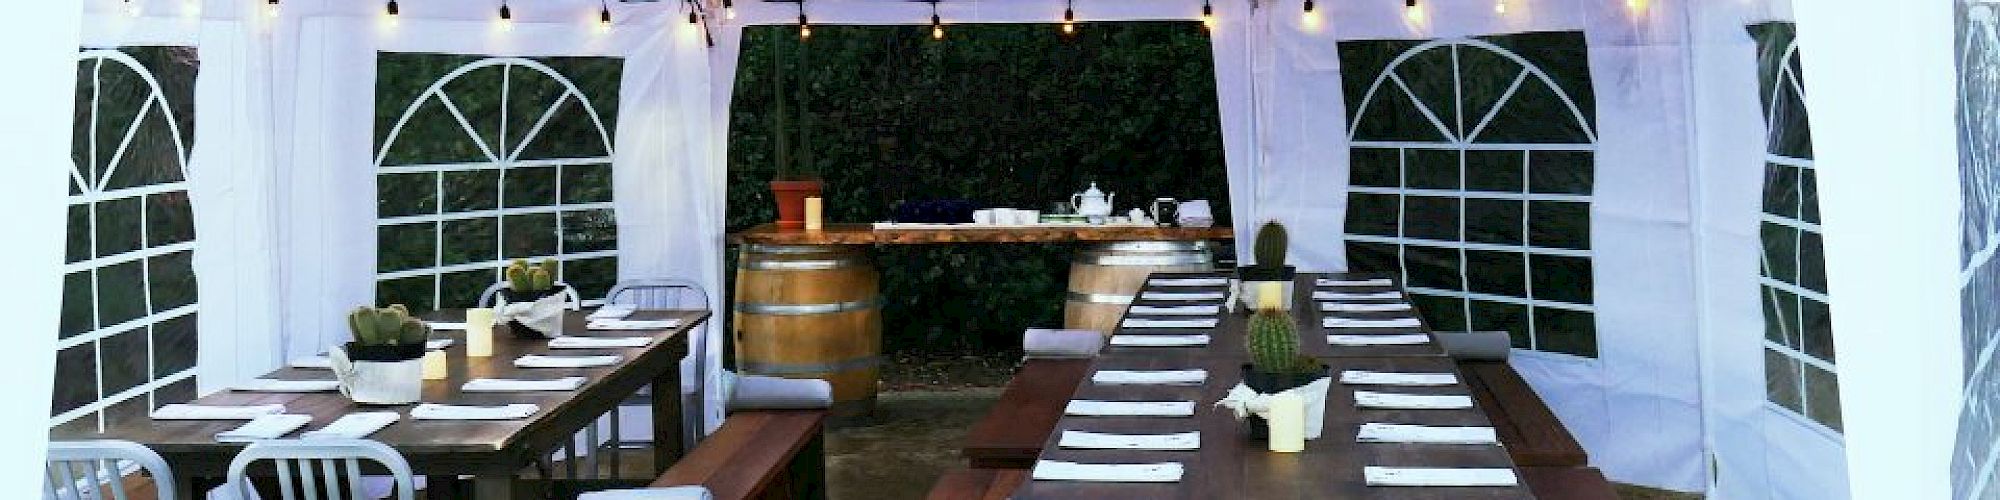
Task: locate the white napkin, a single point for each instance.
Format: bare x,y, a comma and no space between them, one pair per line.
263,427
446,325
1368,340
1197,310
435,344
1188,281
1340,307
1159,340
354,425
1053,470
1087,408
185,411
1098,441
1149,377
319,362
271,385
1429,476
1183,296
1169,323
1397,401
434,411
613,311
632,324
519,385
1424,434
544,361
1341,282
1363,377
598,342
1338,322
1332,295
1243,401
544,315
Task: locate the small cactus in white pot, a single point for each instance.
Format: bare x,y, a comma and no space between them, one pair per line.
384,363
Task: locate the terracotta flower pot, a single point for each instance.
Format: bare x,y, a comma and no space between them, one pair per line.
791,197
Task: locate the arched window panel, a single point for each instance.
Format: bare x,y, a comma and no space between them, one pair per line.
1799,371
126,342
1472,173
485,160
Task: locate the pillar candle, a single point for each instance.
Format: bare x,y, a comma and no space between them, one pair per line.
479,332
1287,419
814,211
434,365
1271,295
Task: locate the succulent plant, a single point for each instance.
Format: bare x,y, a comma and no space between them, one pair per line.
1269,249
1273,343
387,326
525,277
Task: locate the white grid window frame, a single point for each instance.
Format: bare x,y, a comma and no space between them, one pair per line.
1403,193
90,191
504,159
1788,365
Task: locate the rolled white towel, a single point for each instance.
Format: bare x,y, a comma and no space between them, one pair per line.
1060,344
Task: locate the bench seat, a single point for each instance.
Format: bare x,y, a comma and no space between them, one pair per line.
1534,437
760,454
1567,483
1012,434
978,484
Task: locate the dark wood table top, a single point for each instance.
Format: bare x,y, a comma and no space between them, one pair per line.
1230,465
866,234
1226,340
442,446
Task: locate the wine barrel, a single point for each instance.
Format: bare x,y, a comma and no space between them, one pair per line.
809,311
1104,277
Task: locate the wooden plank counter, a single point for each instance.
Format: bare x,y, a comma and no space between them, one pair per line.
866,234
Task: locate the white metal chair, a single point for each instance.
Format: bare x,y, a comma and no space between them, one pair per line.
320,462
653,293
569,294
80,470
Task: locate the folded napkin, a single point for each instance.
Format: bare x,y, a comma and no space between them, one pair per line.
1159,340
653,493
1397,401
1149,377
1183,296
542,316
1087,408
1053,470
519,385
354,425
613,311
434,411
1341,307
1198,310
1244,401
598,342
1341,282
1338,322
1048,343
1363,377
1098,441
320,362
271,385
263,427
1367,340
1332,295
446,325
1169,323
1424,434
545,361
632,324
212,412
435,344
1188,282
1427,476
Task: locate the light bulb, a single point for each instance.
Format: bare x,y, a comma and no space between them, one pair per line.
1636,4
131,8
805,31
392,9
1069,28
1207,15
729,13
1309,6
271,8
1412,11
1500,7
937,32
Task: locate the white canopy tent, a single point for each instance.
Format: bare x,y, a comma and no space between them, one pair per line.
1673,386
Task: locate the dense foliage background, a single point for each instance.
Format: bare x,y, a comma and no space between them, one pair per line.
1003,115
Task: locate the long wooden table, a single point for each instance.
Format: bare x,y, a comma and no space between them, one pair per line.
492,451
1229,464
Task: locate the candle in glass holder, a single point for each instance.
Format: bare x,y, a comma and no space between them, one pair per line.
815,210
1287,420
479,332
434,365
1270,295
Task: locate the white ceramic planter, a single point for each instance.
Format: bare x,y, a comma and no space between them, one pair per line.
379,382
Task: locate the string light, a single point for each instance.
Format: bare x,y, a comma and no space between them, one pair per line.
603,15
1207,15
728,9
1500,7
1309,6
937,25
191,7
1069,18
805,28
271,8
1636,5
131,8
692,18
1411,10
392,9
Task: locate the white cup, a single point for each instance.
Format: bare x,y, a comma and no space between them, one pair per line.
1003,216
982,216
1027,217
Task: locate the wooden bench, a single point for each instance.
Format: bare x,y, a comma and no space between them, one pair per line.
1567,483
1012,434
1532,434
759,454
978,484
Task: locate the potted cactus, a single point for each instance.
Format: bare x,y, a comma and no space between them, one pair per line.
384,363
532,291
529,282
1272,339
1268,274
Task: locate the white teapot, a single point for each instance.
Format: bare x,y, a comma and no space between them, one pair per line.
1092,202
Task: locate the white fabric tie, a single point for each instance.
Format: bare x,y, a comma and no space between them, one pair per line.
1244,401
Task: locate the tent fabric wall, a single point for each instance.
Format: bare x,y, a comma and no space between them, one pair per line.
46,36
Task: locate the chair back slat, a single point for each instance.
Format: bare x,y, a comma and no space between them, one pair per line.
285,484
84,470
327,456
333,478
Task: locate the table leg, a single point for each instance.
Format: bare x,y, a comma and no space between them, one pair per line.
186,486
666,419
493,487
442,487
